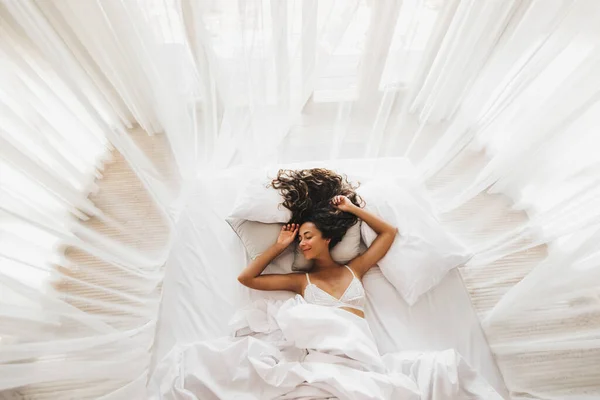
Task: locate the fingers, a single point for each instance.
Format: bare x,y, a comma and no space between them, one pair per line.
290,227
337,200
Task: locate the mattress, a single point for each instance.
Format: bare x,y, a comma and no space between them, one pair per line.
201,293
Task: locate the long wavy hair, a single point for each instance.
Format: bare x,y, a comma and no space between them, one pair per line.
307,194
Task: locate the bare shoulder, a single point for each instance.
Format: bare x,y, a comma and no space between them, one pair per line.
300,281
353,268
359,267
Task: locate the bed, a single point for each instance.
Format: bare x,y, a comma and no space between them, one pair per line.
200,292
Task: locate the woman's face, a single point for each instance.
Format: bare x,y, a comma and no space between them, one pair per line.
312,243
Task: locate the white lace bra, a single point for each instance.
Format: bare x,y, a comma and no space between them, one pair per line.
353,297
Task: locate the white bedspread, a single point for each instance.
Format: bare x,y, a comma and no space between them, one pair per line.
294,350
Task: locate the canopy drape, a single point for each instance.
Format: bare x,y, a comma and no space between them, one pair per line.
110,109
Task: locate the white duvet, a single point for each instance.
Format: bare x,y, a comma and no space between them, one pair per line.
294,350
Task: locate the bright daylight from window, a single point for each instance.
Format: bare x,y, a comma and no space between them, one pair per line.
299,199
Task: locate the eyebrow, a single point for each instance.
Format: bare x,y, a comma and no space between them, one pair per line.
305,232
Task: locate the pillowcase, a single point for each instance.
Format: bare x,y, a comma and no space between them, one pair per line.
423,251
259,202
257,238
347,249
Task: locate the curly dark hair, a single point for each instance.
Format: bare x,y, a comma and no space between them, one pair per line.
307,194
332,225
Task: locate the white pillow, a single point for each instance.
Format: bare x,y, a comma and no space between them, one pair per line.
257,238
259,202
423,251
346,250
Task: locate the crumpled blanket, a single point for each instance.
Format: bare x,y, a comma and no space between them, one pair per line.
295,350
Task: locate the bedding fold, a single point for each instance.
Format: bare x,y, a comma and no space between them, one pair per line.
295,350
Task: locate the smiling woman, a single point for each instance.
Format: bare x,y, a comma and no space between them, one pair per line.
316,240
494,102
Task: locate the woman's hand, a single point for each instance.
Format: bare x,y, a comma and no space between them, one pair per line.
252,276
287,235
342,203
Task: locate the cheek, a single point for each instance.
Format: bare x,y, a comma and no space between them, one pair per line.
313,243
322,243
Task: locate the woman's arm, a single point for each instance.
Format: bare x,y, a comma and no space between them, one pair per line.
386,234
251,275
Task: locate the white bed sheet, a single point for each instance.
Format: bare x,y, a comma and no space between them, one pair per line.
442,319
200,292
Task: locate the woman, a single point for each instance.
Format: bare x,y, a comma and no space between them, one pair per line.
320,226
290,349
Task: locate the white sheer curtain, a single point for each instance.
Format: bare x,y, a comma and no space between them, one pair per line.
79,277
485,97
